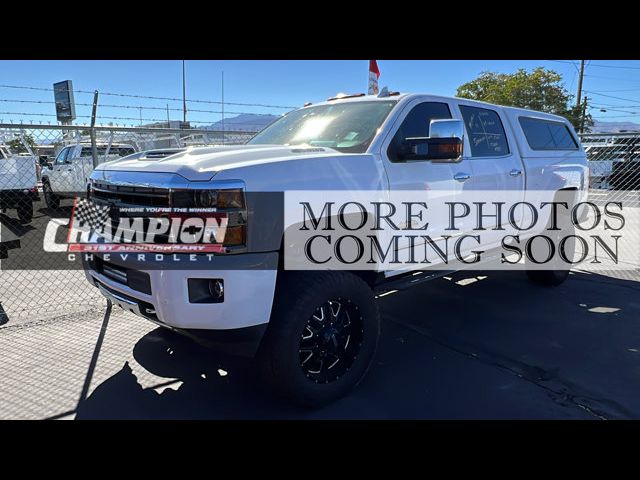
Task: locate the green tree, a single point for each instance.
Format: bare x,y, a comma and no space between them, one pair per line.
539,89
17,146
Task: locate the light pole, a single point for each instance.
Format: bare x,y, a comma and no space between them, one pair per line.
184,95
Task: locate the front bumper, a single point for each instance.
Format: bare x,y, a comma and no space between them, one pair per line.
238,321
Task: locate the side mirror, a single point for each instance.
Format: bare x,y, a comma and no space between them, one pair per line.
445,143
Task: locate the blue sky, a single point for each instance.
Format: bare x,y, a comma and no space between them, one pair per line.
285,83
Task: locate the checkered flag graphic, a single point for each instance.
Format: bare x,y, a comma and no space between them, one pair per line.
88,214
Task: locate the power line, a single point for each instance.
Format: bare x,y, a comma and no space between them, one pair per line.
138,107
149,97
612,78
611,96
573,79
563,61
607,105
567,61
619,90
621,111
102,117
600,65
618,116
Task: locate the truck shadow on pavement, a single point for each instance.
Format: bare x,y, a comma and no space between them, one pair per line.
473,345
208,385
15,226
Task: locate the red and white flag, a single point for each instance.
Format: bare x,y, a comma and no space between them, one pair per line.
374,74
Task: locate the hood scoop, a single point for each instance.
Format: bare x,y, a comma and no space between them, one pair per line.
155,154
308,150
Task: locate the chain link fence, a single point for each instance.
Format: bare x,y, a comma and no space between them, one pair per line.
42,170
614,160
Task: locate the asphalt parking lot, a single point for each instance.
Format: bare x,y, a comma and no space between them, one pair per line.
472,346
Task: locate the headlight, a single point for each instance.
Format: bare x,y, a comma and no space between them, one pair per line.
221,199
231,198
206,199
229,202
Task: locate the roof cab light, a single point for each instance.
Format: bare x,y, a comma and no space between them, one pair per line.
341,96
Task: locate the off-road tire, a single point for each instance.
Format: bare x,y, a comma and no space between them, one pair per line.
298,297
556,276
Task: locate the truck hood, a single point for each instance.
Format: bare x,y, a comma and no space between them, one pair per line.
203,163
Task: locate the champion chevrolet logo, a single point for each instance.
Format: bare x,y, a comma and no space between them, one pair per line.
97,228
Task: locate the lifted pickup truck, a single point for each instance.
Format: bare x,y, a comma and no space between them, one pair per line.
315,332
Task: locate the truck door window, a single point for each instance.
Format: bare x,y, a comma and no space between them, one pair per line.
62,156
485,131
416,124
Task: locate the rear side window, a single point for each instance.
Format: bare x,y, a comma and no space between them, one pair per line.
547,135
486,133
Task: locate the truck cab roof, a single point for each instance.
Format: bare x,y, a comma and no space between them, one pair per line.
407,97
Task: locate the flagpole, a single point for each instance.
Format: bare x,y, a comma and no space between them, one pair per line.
374,74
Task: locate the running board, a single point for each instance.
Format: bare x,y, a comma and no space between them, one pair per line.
418,277
409,280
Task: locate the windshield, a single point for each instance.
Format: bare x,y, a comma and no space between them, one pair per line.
346,127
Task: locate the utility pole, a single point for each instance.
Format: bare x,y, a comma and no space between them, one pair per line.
579,94
584,114
92,130
223,107
184,95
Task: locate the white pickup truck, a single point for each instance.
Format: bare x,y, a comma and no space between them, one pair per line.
67,175
315,332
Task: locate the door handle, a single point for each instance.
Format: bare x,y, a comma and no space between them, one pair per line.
461,177
515,172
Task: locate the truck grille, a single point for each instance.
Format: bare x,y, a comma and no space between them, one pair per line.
141,196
